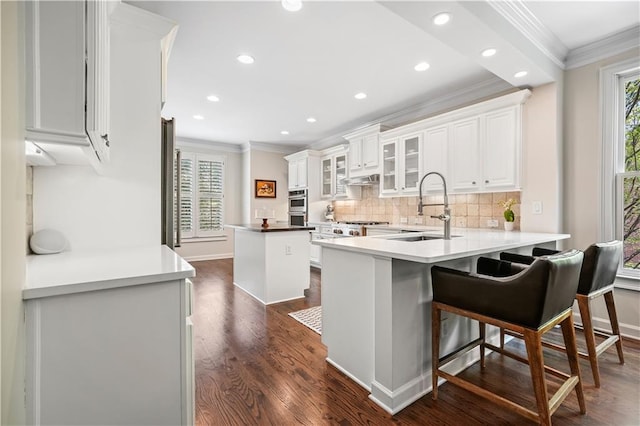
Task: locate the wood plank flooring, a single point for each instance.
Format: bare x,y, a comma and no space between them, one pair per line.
255,365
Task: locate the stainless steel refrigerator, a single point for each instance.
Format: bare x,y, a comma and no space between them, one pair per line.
170,185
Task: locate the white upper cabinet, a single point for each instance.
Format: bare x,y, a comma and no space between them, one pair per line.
465,164
333,170
298,173
364,151
401,165
501,150
67,79
435,157
485,152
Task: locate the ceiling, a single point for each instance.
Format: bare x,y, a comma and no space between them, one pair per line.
312,62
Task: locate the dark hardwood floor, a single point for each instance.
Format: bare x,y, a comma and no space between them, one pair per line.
256,365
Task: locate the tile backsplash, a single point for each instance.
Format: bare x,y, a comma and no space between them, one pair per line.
467,210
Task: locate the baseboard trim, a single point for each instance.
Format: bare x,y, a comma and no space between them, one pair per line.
629,331
346,373
208,257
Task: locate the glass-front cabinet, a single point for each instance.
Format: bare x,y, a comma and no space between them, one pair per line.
326,177
389,184
401,165
334,171
340,173
411,159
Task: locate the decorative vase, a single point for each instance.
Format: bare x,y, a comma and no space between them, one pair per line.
508,226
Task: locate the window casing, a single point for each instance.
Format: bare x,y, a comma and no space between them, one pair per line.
616,172
201,203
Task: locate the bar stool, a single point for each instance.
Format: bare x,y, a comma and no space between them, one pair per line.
530,302
596,279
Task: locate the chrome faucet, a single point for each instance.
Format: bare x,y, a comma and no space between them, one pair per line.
446,216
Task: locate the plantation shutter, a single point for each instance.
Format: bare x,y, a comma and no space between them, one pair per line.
210,196
186,205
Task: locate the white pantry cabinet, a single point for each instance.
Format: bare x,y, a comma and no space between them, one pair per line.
67,79
109,338
303,172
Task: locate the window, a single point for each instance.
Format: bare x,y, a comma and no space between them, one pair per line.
201,204
620,212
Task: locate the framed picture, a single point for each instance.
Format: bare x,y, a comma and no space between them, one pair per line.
265,188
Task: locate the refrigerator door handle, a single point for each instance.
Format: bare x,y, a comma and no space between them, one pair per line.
178,198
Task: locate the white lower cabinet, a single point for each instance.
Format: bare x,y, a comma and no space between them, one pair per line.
115,356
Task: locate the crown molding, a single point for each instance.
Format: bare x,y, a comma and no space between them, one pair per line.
523,20
604,48
272,147
207,145
446,101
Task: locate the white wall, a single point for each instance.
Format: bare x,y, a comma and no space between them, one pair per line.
233,164
122,207
12,216
582,136
269,165
542,162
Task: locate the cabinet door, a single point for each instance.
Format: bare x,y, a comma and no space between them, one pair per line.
301,166
389,184
55,71
500,150
325,178
340,172
463,156
410,163
355,155
293,174
434,154
370,152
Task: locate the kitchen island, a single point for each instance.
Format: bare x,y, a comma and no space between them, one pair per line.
271,264
376,305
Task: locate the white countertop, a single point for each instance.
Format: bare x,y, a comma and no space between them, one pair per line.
81,271
465,242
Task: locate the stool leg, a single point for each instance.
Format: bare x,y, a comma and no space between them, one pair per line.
483,333
501,338
569,335
435,350
613,318
590,338
533,344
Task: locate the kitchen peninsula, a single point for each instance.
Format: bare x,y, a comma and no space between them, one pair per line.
272,263
376,305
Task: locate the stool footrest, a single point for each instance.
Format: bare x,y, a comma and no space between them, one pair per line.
449,357
548,369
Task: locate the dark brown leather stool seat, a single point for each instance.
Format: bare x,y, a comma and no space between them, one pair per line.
528,300
596,279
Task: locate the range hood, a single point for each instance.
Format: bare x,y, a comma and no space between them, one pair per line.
362,180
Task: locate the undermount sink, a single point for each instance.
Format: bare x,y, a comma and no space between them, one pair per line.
412,237
417,238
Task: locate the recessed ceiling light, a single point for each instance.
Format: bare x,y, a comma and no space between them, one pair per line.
284,132
520,74
198,117
311,120
441,18
213,98
422,66
245,59
292,5
489,52
360,95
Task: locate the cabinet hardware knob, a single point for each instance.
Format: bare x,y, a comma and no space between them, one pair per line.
473,183
105,137
486,181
